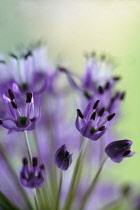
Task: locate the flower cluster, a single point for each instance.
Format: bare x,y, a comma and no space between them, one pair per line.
43,127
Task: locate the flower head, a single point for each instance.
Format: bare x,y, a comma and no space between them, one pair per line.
19,119
63,158
93,123
33,176
118,150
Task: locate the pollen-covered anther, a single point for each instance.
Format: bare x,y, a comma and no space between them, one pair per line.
96,104
101,112
80,113
29,97
11,95
110,117
102,128
93,116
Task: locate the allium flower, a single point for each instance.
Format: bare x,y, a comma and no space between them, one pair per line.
118,150
93,123
33,176
27,64
63,158
19,119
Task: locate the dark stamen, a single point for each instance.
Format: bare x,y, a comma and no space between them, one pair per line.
24,161
23,175
14,105
39,174
1,122
126,153
101,128
100,89
107,85
93,116
101,112
117,95
29,53
42,167
28,97
35,161
116,78
13,55
80,113
61,68
96,104
122,96
33,119
87,95
11,94
110,117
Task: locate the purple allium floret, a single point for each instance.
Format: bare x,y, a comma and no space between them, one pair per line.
33,176
19,119
63,158
118,150
93,122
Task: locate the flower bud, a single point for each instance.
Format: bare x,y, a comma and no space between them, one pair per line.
117,150
63,158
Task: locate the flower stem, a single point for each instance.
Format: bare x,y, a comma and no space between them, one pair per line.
28,146
59,190
30,159
92,186
35,198
74,177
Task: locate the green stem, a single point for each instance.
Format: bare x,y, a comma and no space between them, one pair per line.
71,193
28,147
35,198
30,159
59,191
92,186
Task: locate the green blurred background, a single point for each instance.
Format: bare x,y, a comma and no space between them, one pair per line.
71,28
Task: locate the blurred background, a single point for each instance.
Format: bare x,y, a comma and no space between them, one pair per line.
71,28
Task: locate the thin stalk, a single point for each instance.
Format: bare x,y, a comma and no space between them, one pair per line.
28,146
30,159
70,196
92,186
59,191
35,198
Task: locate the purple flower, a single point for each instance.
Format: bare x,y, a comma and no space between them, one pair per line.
117,150
63,158
19,119
30,70
33,176
93,123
